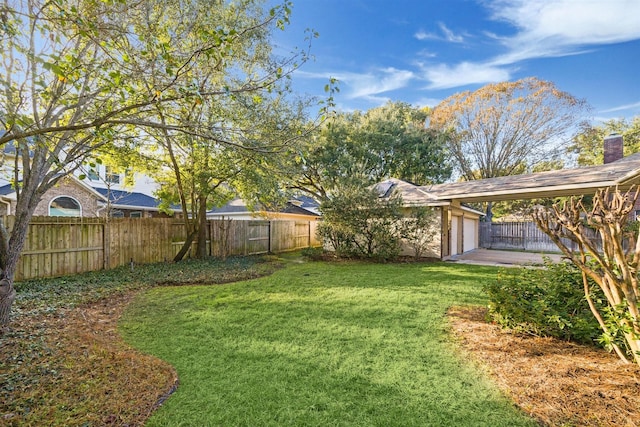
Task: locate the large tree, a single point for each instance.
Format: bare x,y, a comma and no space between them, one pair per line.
587,143
501,127
77,75
199,173
362,148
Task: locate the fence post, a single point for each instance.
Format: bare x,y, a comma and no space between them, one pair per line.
106,244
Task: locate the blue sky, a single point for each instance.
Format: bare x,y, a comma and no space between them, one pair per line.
422,51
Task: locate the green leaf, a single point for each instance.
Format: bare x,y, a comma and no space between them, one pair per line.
54,68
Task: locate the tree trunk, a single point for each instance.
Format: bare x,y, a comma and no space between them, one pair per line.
489,212
187,245
7,296
201,248
15,245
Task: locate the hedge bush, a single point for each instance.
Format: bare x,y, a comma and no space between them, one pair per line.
544,302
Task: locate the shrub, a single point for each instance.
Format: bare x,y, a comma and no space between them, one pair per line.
420,229
358,223
544,302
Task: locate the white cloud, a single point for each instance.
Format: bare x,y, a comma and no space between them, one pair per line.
564,27
423,35
370,84
444,76
424,53
426,102
626,107
449,35
544,29
445,35
365,85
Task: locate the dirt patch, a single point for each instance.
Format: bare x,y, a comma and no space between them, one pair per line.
558,383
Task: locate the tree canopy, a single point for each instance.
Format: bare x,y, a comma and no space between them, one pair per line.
366,147
501,127
80,75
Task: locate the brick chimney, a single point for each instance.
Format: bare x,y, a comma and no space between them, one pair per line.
613,148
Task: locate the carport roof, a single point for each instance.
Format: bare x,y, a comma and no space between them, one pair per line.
565,182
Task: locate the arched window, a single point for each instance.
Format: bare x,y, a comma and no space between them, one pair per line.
65,206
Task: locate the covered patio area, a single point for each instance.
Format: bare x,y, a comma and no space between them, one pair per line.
458,223
498,258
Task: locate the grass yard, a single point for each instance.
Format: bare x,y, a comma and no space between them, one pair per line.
320,344
62,363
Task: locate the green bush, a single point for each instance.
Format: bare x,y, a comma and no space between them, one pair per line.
544,302
357,223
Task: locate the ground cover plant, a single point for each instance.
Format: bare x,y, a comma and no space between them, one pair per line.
320,344
63,363
546,302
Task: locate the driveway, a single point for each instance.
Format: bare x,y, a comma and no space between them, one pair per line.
503,258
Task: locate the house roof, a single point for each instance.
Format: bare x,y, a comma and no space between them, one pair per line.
411,194
414,196
236,205
6,189
306,204
565,182
125,199
298,210
301,205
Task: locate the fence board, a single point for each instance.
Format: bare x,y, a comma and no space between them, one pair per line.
524,236
57,246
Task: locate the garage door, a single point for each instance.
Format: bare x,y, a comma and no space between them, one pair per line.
470,234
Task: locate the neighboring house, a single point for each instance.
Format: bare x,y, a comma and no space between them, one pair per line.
106,178
125,204
301,208
459,225
74,197
101,192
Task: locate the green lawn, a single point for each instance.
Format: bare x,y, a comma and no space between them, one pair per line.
320,344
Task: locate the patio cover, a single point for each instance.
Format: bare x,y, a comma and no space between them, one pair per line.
622,173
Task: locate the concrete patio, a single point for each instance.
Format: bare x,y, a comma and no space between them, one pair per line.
502,258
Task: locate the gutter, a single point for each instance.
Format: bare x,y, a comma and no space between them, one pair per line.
8,203
131,207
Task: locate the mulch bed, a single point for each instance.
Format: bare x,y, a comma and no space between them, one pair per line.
82,373
557,382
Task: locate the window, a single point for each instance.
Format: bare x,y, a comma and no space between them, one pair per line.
117,214
135,214
111,176
93,175
65,206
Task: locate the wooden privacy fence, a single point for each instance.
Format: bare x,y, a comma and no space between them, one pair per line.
524,236
58,246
